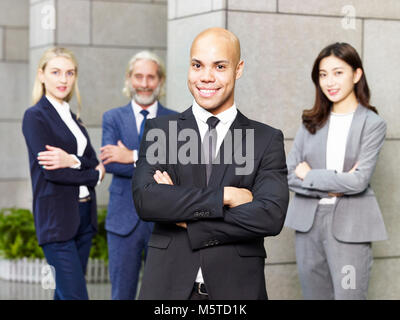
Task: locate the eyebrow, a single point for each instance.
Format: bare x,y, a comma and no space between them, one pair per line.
332,69
221,61
215,62
55,68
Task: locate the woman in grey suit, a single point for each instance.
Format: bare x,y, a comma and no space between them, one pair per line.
334,210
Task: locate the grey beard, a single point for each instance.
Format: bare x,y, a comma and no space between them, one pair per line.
146,100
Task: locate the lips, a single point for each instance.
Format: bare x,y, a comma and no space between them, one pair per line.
333,92
145,92
62,89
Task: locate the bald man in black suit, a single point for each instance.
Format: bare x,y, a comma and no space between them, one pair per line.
211,218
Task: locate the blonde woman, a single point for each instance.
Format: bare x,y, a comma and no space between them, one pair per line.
64,171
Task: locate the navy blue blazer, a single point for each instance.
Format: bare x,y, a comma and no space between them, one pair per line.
120,124
56,192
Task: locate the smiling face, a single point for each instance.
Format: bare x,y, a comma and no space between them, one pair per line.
58,77
214,68
146,84
337,79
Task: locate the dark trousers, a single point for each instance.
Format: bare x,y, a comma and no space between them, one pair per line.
69,259
125,260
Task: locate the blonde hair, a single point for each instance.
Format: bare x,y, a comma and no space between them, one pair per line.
38,87
144,55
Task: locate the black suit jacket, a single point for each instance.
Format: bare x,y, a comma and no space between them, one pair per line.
56,192
227,243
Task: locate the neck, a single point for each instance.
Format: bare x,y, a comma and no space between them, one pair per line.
347,105
60,101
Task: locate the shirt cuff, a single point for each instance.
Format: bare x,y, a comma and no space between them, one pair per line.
99,181
135,157
78,165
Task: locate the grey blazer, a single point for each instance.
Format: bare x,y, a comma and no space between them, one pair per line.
357,216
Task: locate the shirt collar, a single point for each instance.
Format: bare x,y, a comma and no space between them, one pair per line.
225,117
62,108
152,109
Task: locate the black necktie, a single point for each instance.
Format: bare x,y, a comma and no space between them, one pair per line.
145,114
210,144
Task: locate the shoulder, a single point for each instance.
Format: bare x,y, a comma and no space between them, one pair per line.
116,111
262,129
34,112
266,137
165,119
165,110
374,118
374,121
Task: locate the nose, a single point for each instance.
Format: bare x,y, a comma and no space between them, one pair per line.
144,83
207,75
330,81
63,78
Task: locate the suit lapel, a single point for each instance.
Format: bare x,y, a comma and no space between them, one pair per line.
58,122
320,143
353,138
219,169
187,120
129,128
161,111
352,143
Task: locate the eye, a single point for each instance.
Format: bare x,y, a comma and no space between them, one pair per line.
338,73
220,67
196,65
55,72
70,73
322,75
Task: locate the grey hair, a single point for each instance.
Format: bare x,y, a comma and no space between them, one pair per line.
144,55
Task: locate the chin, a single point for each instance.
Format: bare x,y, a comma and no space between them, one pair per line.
205,105
61,97
336,99
145,101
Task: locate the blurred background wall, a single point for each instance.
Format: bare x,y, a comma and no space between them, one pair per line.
280,40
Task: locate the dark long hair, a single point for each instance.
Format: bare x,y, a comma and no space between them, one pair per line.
315,118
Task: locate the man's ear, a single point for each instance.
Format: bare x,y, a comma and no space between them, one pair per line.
357,75
239,69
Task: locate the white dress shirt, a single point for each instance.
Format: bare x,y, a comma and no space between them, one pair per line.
226,119
64,112
152,109
339,126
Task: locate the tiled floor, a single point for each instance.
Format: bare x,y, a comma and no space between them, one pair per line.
28,291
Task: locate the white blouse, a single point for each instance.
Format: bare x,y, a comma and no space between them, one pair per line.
64,111
339,127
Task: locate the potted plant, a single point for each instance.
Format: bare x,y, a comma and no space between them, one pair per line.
21,258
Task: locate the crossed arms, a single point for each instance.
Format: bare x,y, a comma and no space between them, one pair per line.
227,214
322,183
